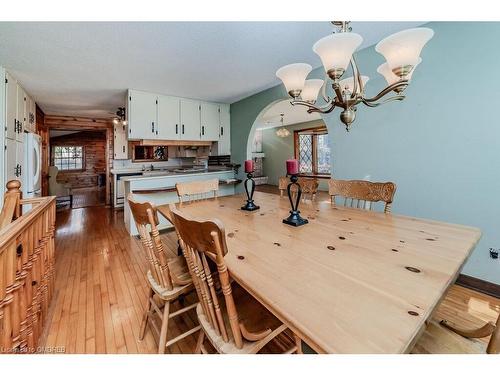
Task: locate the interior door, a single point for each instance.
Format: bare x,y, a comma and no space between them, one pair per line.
142,115
11,107
190,119
209,121
168,117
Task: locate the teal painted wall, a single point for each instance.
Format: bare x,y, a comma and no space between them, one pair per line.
278,150
440,145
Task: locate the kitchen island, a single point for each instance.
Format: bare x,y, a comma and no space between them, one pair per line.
159,188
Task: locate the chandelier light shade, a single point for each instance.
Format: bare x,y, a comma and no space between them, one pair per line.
311,90
402,50
282,132
389,75
294,77
347,84
335,52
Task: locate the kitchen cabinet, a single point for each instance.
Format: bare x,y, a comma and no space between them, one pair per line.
169,117
141,115
224,143
209,114
190,119
120,144
11,107
30,124
163,117
14,155
21,113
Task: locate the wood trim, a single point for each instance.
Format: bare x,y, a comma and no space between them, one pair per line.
479,285
322,176
85,123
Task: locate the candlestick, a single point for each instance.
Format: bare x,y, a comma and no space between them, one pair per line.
248,166
294,219
292,167
250,205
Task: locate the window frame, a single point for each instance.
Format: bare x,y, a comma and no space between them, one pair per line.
53,158
318,130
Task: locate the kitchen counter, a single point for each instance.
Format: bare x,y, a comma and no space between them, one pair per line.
160,189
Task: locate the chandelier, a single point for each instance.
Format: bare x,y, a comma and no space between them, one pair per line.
282,131
336,51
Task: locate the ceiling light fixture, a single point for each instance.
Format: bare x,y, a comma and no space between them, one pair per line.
282,131
336,51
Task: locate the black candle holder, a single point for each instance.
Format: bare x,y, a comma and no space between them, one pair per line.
294,219
250,205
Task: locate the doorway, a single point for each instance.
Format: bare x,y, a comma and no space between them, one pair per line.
77,172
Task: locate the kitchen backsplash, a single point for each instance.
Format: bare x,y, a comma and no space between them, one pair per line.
172,162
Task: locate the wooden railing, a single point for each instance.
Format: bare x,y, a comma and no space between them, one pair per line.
26,269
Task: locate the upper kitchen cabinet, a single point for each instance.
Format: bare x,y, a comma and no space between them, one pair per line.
11,107
224,143
141,113
190,119
169,117
209,114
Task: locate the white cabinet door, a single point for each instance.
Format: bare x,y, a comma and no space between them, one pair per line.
224,144
14,155
120,146
11,107
209,121
142,115
190,120
20,160
168,117
21,113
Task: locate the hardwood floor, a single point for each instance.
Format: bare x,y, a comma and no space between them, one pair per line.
101,290
88,197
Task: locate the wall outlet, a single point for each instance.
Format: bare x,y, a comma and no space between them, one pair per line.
493,253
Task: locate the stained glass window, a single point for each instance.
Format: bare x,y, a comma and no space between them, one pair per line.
68,157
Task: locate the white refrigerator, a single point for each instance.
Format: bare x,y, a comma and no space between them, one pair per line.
32,169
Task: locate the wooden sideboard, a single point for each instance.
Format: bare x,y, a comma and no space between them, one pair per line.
26,269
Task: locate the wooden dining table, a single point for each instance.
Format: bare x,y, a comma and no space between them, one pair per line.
350,281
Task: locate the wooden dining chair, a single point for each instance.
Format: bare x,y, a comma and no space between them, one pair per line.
446,338
309,187
232,320
362,194
168,277
197,190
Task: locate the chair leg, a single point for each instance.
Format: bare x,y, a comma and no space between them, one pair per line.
146,315
164,328
199,342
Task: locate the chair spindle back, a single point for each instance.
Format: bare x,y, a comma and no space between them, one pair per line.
197,190
357,193
146,219
199,240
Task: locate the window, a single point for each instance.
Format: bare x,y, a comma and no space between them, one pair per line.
312,150
67,158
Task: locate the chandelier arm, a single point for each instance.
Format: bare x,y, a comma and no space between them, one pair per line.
391,99
385,91
323,89
313,108
358,76
355,74
338,93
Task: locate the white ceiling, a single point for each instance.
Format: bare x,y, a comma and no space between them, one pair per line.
292,114
84,69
